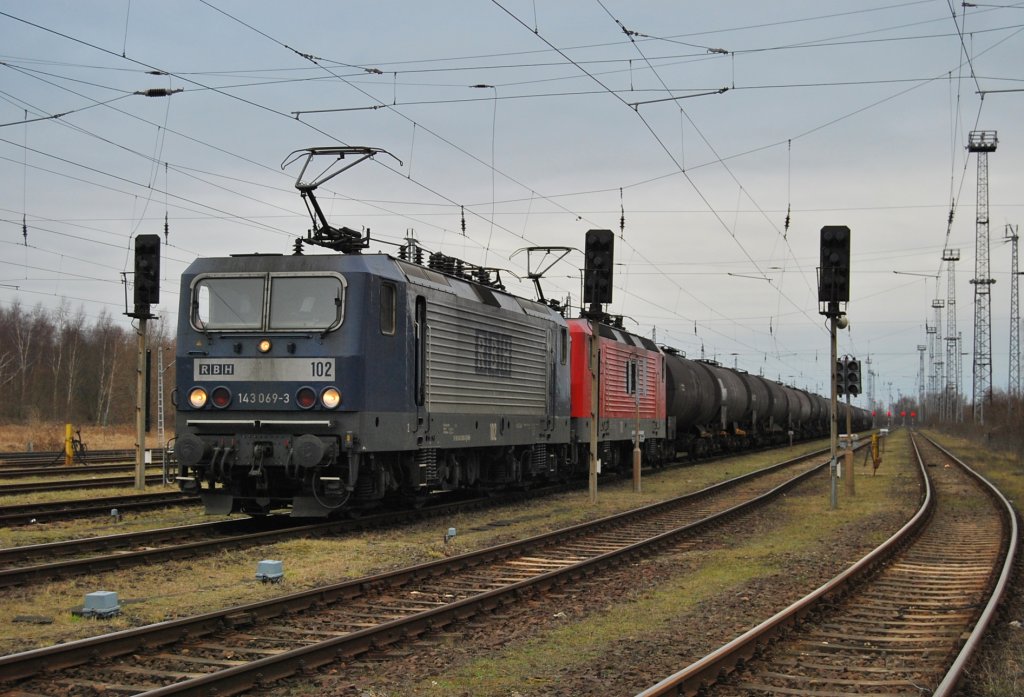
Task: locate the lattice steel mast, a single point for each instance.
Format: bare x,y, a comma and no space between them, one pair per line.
940,376
928,405
1014,385
982,143
921,348
871,385
952,400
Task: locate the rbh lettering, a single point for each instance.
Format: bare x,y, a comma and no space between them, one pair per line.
217,369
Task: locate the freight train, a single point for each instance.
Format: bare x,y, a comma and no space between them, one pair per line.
320,383
331,381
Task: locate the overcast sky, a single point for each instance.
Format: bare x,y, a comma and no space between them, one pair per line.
725,133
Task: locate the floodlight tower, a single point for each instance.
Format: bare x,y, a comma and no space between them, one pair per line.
982,143
1014,385
951,256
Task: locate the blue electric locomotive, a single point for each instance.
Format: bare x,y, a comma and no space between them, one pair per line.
318,381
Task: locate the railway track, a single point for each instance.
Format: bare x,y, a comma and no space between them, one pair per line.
24,514
42,562
74,484
236,649
73,471
16,460
53,560
905,620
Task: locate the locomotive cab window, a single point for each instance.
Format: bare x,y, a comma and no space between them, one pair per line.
306,302
228,303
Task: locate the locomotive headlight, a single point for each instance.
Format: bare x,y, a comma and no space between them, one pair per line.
330,397
197,397
264,345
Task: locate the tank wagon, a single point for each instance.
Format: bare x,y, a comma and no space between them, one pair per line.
719,409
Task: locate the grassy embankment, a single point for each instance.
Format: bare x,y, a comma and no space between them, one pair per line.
722,571
178,588
1001,671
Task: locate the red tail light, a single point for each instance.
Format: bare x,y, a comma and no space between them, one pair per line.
221,397
305,397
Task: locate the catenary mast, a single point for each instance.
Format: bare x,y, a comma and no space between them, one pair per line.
982,143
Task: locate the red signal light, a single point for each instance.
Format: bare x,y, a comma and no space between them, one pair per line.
903,413
888,413
913,414
873,412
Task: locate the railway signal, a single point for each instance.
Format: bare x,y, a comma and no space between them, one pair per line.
147,292
833,289
597,272
852,377
147,269
834,276
847,377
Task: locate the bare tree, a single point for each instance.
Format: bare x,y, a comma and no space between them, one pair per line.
106,344
72,339
26,331
59,318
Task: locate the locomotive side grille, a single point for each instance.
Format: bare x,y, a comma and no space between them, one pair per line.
616,398
485,364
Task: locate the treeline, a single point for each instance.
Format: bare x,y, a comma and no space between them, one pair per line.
57,366
1002,430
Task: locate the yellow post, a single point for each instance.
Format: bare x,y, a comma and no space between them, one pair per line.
69,452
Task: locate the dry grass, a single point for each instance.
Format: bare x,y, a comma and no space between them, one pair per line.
49,436
179,588
1000,670
580,645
